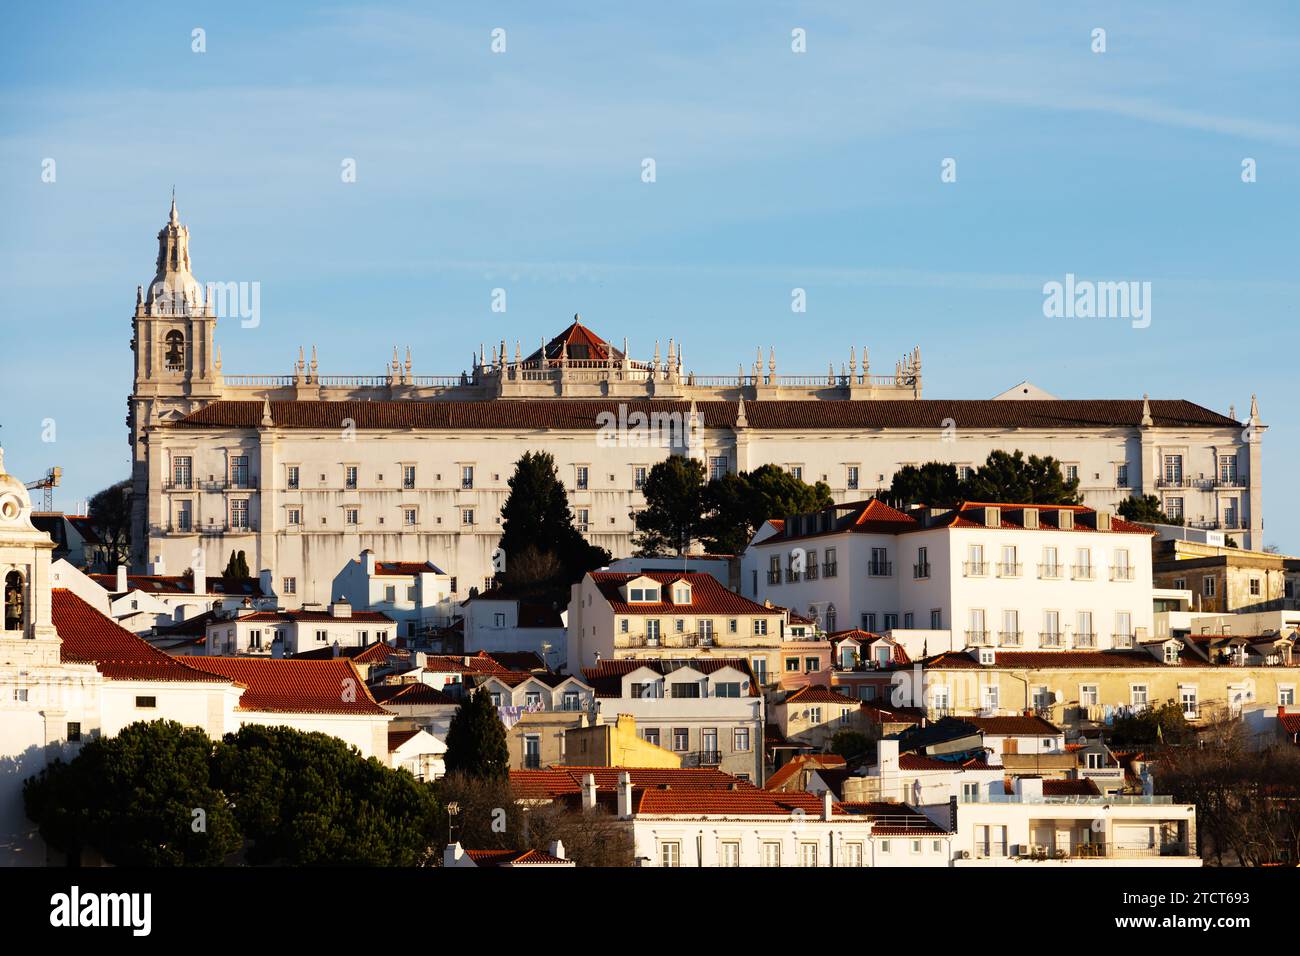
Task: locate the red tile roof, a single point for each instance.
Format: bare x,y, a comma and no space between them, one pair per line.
901,715
1289,720
790,770
364,617
559,781
708,596
514,858
911,761
750,802
411,694
398,737
91,638
802,416
1014,726
376,653
1011,517
820,695
405,568
293,686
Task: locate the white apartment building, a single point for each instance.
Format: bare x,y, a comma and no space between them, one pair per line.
492,622
304,470
1025,577
670,614
708,711
285,633
415,595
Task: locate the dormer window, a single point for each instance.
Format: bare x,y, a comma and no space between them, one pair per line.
1171,653
643,591
682,594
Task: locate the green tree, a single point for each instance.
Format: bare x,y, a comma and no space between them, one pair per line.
142,798
674,497
237,566
1165,724
110,515
1013,479
1145,509
935,484
476,739
311,799
536,522
737,505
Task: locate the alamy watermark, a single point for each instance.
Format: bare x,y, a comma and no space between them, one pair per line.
1086,299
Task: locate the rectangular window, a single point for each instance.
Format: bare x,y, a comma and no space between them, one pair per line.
408,476
975,559
853,478
1286,696
571,700
1208,585
1174,508
1071,472
239,512
682,690
467,476
853,854
146,703
289,585
350,476
1121,475
807,854
717,467
760,627
730,853
467,516
1123,636
352,515
650,735
184,516
408,517
1084,636
681,739
292,479
532,752
1089,695
652,630
1227,469
1010,567
295,516
1138,696
74,731
322,636
727,689
582,475
181,471
1173,470
771,854
1188,697
936,619
638,477
740,740
830,566
239,471
670,853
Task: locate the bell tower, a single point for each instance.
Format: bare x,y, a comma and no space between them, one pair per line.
27,634
177,370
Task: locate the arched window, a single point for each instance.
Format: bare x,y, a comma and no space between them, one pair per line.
174,356
15,602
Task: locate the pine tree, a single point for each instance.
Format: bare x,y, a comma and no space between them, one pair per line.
476,739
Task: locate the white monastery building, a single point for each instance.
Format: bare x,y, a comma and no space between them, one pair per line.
303,471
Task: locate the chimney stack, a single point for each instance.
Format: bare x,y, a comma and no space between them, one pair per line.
341,608
589,792
121,579
828,804
625,796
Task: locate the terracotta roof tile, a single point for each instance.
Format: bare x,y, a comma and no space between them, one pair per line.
820,695
91,638
606,679
581,415
708,596
411,694
294,686
1019,726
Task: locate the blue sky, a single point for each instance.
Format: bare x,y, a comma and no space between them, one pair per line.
775,170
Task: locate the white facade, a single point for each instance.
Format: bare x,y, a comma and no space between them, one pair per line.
950,586
417,596
493,624
257,633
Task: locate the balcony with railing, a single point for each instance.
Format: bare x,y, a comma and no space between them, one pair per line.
1123,642
1050,572
880,569
1083,572
1051,639
774,577
1122,573
810,572
830,569
791,575
921,570
701,758
974,569
1009,570
1010,638
979,638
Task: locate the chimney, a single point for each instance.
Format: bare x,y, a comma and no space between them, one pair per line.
419,659
265,582
199,580
625,796
1029,789
340,608
368,559
158,565
335,648
589,791
556,849
828,803
454,855
887,755
121,579
277,647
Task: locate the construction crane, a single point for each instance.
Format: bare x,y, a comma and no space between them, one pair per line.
46,485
